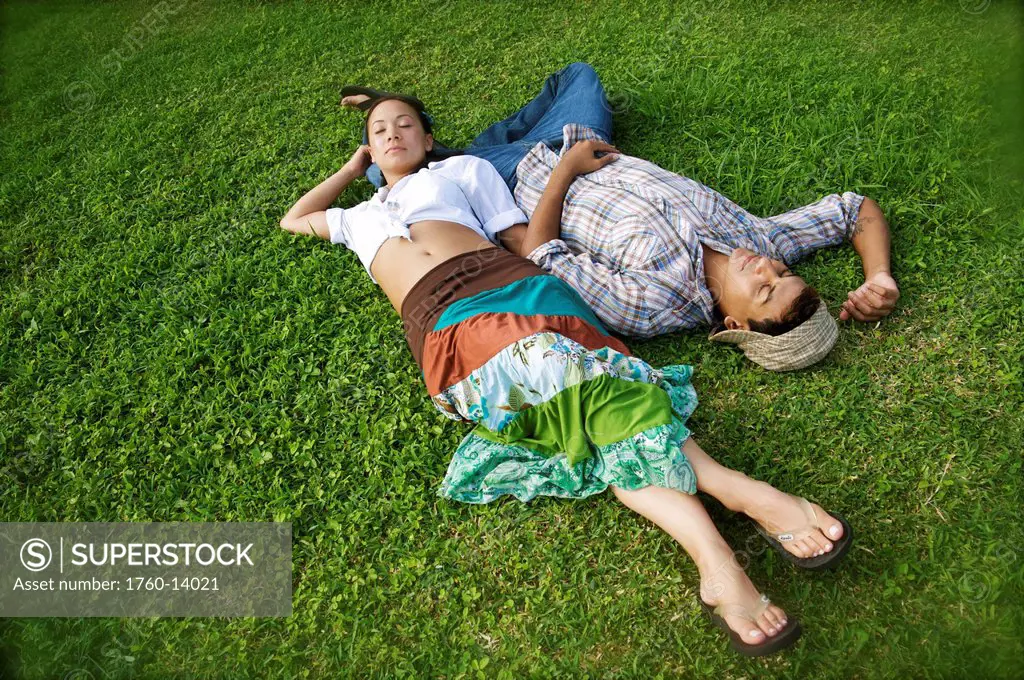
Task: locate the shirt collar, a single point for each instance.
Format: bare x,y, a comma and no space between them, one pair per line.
385,191
706,299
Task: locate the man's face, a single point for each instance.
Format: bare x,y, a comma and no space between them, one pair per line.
756,288
397,140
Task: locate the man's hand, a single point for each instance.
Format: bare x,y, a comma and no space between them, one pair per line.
580,159
360,160
546,222
873,300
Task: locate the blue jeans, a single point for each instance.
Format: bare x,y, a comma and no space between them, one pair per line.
572,95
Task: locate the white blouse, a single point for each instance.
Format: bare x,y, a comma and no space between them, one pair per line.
462,189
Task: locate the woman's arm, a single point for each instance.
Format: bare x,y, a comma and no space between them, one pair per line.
307,216
546,222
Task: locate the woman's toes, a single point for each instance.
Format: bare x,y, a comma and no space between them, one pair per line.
805,548
824,543
771,623
748,631
753,636
830,527
780,615
817,543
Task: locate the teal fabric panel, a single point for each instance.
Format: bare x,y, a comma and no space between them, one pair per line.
544,294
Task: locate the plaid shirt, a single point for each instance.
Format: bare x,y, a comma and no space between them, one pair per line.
631,237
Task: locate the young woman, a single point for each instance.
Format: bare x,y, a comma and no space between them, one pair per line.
562,408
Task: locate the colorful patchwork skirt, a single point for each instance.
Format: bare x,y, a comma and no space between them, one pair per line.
562,408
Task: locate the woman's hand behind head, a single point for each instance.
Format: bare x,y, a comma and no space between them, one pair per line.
360,160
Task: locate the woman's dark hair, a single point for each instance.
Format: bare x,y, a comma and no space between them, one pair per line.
428,126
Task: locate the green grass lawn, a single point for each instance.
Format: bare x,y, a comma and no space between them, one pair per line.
168,353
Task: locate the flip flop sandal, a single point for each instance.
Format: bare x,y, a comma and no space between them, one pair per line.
789,634
373,95
839,546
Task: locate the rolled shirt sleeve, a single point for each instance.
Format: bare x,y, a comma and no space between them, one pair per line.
337,227
828,222
489,197
365,243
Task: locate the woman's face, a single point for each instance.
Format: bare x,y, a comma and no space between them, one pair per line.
398,143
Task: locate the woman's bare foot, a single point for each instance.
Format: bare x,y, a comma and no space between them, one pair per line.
723,582
775,511
354,100
778,512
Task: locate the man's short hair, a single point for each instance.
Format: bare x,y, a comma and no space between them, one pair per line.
801,309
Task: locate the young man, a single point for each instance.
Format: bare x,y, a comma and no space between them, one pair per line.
654,252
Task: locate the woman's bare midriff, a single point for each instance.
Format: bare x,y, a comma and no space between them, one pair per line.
400,263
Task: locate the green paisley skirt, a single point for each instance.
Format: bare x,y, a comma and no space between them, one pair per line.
561,407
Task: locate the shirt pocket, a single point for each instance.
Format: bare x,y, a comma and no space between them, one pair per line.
637,251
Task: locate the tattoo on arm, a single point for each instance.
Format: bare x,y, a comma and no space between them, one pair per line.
858,227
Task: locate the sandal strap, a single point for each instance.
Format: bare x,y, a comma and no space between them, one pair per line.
805,530
751,615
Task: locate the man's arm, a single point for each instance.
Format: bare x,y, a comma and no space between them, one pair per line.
878,295
619,298
512,239
546,221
